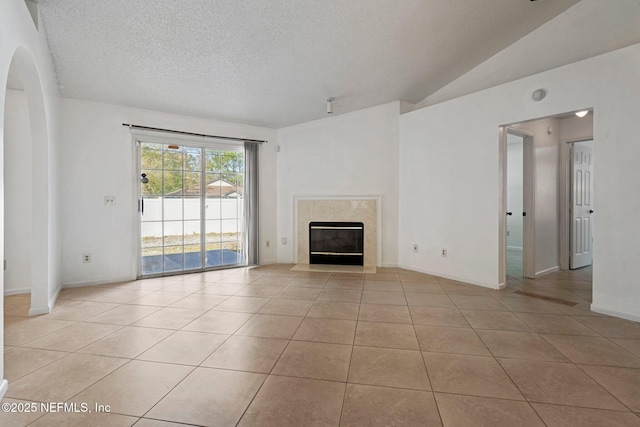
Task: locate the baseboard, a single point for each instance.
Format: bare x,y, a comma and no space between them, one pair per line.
98,282
514,248
4,385
19,291
54,299
450,277
547,271
616,313
37,311
288,262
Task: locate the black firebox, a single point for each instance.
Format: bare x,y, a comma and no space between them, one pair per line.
339,243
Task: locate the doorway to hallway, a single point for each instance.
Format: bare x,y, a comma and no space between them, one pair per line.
551,224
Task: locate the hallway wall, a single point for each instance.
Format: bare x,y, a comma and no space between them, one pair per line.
459,208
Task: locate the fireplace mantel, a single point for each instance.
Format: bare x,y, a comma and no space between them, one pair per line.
365,209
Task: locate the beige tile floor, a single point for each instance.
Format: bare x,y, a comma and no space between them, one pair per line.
272,347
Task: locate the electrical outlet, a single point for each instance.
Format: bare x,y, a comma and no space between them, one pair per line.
443,252
109,200
415,247
268,243
86,258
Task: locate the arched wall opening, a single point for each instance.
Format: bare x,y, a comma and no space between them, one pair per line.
26,186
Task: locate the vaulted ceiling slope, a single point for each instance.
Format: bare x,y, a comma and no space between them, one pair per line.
275,63
590,28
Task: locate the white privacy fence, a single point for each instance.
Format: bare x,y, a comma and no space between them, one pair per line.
182,215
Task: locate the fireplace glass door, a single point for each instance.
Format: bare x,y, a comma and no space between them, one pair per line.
339,243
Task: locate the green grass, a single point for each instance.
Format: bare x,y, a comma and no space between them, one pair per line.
174,244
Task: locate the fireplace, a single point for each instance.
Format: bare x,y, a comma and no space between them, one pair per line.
359,209
339,243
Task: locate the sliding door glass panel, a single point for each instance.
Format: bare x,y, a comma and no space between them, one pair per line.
151,246
192,208
192,244
173,258
223,193
151,222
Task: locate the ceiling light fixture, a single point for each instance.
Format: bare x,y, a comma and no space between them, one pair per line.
582,113
330,105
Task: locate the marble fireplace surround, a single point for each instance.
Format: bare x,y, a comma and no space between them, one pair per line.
365,209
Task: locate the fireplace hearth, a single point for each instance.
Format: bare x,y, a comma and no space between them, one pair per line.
340,243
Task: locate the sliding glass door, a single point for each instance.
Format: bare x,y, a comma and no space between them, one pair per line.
191,208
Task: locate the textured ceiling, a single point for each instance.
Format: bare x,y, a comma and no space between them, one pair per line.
274,63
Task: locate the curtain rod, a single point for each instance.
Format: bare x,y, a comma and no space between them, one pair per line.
256,141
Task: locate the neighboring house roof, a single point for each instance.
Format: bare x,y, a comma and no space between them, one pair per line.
222,188
218,188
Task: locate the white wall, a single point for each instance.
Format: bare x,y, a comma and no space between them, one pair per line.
576,128
353,154
449,184
98,159
17,194
546,153
515,192
21,40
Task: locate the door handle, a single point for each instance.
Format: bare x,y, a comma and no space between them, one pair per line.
509,213
590,211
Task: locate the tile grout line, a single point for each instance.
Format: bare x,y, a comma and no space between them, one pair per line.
526,399
602,386
194,368
424,362
353,343
272,367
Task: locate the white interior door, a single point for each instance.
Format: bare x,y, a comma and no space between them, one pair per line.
515,206
582,205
